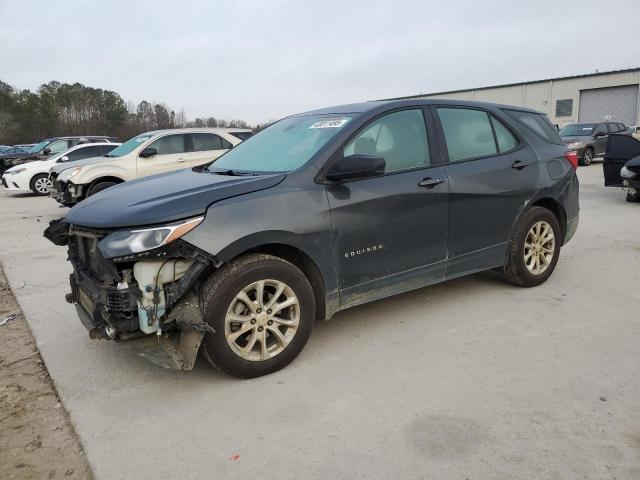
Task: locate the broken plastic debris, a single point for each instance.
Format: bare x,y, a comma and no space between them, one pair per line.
8,318
235,457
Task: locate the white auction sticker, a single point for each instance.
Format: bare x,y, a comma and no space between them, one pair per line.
333,123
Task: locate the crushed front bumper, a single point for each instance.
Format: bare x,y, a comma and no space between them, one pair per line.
107,298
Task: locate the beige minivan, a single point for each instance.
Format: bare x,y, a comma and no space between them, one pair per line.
146,154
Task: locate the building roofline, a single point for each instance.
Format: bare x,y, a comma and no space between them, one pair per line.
515,84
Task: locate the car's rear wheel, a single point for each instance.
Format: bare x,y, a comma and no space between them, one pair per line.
98,187
587,157
262,309
534,248
633,195
40,184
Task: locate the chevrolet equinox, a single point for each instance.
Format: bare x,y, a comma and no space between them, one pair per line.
319,212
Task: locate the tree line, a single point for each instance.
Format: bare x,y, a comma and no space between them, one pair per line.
57,109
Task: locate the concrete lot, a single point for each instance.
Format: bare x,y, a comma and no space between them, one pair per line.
469,379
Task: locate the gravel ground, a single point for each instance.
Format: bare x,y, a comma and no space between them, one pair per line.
36,438
472,378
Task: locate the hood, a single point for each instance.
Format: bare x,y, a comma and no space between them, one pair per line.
568,140
59,167
163,198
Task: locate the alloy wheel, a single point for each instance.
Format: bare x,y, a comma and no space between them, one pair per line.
262,320
42,185
539,247
587,157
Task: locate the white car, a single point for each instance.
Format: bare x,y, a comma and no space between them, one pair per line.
146,154
34,176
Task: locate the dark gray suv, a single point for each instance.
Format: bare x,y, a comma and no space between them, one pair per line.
319,212
589,140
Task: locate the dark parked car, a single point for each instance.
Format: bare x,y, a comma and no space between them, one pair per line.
319,212
42,150
589,140
622,165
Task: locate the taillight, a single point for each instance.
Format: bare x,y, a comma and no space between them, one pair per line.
572,158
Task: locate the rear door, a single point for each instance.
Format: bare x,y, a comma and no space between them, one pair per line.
172,155
492,174
206,147
620,149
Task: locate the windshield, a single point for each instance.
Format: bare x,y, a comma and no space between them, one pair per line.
578,130
39,146
129,145
284,146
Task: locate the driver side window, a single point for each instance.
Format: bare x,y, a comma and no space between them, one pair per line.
399,137
58,146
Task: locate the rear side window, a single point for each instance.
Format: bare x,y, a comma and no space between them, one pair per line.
169,144
202,142
241,135
86,152
539,124
468,133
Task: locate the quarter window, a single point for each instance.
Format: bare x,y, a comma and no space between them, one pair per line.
202,142
169,144
467,132
399,137
506,140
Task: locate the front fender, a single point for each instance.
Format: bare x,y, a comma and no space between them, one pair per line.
91,173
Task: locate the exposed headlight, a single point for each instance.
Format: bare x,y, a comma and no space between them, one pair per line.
575,144
66,175
13,171
626,173
127,242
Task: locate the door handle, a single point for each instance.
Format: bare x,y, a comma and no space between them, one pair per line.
519,165
430,182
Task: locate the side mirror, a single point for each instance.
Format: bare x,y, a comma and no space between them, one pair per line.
63,159
356,166
46,151
148,152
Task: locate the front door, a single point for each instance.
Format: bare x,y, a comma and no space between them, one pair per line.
492,174
391,231
600,134
171,155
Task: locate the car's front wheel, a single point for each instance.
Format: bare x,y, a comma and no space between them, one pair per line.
40,184
534,248
262,309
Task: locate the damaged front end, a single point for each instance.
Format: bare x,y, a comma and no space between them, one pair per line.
139,284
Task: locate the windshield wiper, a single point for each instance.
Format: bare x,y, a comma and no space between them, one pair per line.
231,173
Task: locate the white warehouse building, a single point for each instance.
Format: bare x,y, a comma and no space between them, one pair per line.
594,97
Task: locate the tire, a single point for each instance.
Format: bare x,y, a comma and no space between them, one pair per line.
219,303
40,184
98,187
517,270
587,157
633,196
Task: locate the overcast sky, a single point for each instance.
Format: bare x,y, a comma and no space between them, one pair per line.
263,60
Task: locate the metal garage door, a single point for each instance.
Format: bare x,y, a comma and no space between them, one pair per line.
614,103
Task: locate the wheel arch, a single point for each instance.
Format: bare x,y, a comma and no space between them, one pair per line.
107,178
557,209
325,292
